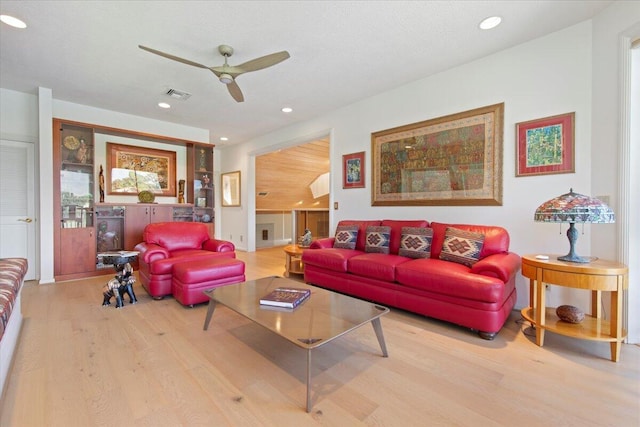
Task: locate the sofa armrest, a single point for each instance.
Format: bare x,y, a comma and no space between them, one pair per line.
150,252
324,243
503,266
215,245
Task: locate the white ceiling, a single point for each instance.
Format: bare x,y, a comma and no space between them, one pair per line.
341,52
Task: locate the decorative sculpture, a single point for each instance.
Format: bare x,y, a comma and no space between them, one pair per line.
305,240
205,181
117,287
181,191
101,184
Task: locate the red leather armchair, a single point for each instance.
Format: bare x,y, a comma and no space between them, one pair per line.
168,243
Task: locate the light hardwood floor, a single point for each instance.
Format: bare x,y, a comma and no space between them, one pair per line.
151,364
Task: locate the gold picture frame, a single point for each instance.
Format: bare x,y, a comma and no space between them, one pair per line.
454,160
133,169
230,185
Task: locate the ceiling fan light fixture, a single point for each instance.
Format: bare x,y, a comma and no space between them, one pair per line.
226,78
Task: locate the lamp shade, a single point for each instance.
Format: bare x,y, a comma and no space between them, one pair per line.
573,207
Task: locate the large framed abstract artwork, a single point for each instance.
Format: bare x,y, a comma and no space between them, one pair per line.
134,169
452,160
545,146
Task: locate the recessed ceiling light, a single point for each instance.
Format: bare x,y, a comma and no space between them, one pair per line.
163,105
490,22
224,138
14,22
287,109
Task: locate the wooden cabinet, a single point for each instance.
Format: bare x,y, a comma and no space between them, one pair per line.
200,183
77,251
74,185
83,228
138,216
119,227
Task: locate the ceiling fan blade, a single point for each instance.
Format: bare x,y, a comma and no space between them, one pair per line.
175,58
263,61
235,91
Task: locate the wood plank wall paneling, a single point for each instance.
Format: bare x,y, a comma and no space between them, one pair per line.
285,176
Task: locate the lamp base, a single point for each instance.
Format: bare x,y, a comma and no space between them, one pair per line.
574,258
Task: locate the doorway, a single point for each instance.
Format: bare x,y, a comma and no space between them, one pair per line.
283,179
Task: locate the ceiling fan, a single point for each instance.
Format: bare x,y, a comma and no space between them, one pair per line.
226,73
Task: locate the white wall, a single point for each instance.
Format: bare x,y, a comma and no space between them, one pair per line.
618,22
19,118
282,228
544,77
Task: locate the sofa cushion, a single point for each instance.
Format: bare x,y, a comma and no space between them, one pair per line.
447,278
496,239
333,259
375,265
362,230
396,231
415,242
461,246
165,266
377,239
346,237
176,235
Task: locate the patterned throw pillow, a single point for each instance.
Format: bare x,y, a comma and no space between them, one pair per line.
346,237
462,246
377,239
416,242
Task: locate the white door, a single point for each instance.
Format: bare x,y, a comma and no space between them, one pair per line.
17,210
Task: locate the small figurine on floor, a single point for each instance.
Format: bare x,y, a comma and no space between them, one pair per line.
122,283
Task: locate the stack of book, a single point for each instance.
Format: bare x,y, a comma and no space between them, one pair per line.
285,297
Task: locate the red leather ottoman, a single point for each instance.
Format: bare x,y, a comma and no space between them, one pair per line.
192,277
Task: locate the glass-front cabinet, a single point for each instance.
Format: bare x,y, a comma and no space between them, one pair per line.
75,185
200,184
76,177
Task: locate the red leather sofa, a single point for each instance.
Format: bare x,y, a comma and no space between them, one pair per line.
480,296
169,243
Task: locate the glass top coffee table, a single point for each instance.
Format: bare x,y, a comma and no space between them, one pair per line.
324,316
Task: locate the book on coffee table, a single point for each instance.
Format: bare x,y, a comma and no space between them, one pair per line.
285,297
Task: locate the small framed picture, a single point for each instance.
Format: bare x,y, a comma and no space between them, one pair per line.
545,146
230,188
353,170
201,202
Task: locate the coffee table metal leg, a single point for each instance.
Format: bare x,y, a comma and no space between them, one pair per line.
309,380
207,320
377,327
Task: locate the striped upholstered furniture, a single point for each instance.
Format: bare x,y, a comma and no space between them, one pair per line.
12,272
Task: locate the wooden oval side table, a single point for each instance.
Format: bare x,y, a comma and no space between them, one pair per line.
597,276
293,263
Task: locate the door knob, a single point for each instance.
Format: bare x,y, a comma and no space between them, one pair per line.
27,220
